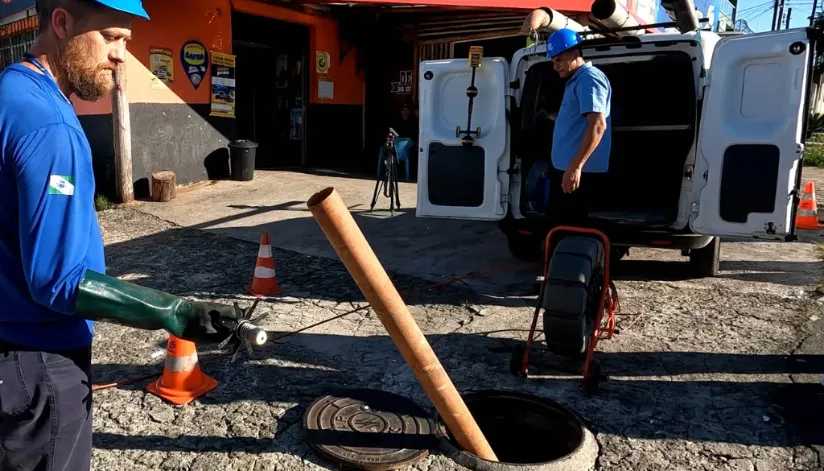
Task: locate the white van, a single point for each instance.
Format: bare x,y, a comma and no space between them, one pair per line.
707,140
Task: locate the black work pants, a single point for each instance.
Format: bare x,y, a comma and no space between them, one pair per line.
45,409
572,209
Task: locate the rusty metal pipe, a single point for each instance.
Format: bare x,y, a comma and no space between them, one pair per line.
346,238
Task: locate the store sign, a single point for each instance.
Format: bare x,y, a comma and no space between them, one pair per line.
195,62
404,85
223,85
717,12
11,7
161,67
322,62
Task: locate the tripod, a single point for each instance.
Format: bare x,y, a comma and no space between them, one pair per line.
388,174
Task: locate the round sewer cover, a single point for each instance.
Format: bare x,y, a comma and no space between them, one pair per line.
369,429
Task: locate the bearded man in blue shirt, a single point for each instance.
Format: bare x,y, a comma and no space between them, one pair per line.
52,269
582,137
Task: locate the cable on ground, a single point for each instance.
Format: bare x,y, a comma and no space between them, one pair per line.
213,358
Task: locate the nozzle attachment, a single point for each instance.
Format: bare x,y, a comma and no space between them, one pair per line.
246,332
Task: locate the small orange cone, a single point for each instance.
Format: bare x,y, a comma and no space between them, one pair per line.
264,281
182,380
807,215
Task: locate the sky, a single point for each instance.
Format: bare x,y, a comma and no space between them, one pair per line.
759,13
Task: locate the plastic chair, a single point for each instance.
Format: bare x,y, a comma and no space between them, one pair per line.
403,147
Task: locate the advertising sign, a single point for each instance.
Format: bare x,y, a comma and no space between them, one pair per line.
713,10
10,7
321,62
161,67
223,85
195,62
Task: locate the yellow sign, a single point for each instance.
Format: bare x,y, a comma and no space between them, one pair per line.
223,85
161,67
321,62
194,54
475,55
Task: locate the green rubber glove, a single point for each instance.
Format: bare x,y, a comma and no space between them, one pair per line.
107,299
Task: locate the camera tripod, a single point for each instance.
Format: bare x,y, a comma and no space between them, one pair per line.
388,174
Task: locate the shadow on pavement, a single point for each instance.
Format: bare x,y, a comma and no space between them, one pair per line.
188,262
647,397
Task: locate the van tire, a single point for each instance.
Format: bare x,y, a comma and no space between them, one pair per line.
524,247
571,295
706,261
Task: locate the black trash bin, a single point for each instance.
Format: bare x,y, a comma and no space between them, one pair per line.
242,156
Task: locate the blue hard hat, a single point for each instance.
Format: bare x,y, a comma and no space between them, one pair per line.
132,7
562,40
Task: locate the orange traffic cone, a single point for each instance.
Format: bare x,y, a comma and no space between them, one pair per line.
182,380
264,281
807,215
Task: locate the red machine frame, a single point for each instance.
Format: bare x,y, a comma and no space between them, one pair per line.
608,304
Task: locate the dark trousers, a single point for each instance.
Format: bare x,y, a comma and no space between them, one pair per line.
572,209
45,409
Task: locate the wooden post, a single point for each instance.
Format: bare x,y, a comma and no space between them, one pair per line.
164,186
122,132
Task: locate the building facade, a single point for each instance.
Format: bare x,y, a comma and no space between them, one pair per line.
313,84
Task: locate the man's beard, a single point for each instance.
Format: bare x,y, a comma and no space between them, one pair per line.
87,80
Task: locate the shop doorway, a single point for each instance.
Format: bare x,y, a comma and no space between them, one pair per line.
272,88
504,46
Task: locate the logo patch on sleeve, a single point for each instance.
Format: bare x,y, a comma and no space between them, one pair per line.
61,185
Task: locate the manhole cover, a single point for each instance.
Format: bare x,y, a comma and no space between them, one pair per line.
369,429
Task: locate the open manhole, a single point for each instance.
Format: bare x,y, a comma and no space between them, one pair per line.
369,429
527,433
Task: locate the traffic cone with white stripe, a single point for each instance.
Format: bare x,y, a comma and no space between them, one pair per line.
264,281
182,380
807,215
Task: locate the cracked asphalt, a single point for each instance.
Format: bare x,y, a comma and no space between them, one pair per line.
719,374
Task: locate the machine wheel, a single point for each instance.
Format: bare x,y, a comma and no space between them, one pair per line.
524,247
572,293
705,262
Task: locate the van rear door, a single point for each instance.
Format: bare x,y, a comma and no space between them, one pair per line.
748,167
455,180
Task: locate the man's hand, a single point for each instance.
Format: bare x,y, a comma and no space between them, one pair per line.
209,322
571,180
536,20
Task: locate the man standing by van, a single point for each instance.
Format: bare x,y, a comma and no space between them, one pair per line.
52,268
582,137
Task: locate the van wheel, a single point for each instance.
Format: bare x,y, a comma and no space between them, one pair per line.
523,247
571,296
706,262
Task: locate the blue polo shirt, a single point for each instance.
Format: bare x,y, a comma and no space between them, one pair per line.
49,234
588,90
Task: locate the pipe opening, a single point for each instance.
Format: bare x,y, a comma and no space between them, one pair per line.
320,196
522,429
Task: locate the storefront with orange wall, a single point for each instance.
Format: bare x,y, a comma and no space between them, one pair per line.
171,124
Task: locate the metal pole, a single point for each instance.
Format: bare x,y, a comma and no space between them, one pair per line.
775,13
812,12
789,13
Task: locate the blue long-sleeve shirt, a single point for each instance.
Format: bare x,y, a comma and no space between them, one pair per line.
49,234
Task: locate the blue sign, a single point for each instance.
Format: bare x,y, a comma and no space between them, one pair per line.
718,12
10,7
195,61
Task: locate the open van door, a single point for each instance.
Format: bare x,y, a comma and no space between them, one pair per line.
456,180
748,168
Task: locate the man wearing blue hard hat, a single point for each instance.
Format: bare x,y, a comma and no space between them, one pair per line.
52,268
582,136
